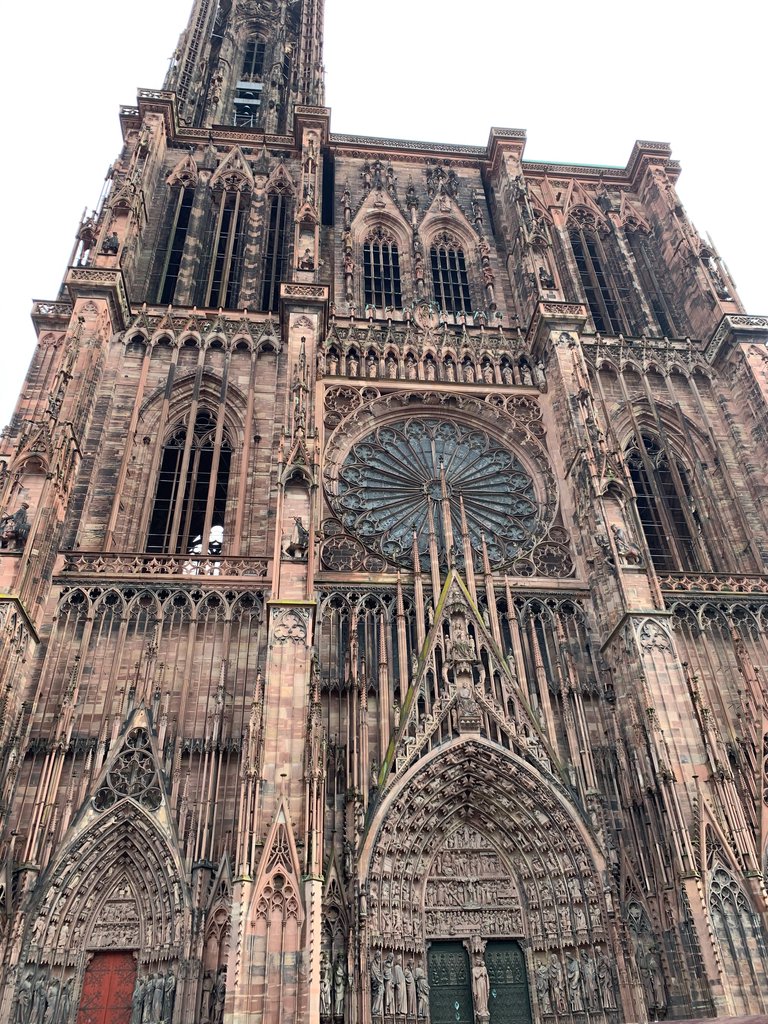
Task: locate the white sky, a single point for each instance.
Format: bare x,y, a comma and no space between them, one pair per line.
584,79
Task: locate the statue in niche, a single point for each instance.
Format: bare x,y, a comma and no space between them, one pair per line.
373,369
450,370
298,545
540,376
589,980
377,985
573,974
339,986
14,529
110,245
557,985
410,990
137,1001
469,373
526,375
307,261
326,986
422,993
542,987
333,364
507,375
605,979
391,367
398,983
353,365
488,375
411,370
169,995
24,998
158,991
39,1001
629,553
481,988
546,280
389,992
218,996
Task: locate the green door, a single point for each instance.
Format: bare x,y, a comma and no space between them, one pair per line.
510,1001
450,991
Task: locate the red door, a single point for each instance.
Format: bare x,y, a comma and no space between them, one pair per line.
108,989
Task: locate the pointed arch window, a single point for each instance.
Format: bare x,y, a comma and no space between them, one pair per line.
275,248
247,100
449,275
594,273
174,236
191,495
226,244
381,271
666,507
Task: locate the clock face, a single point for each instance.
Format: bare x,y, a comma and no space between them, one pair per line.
395,478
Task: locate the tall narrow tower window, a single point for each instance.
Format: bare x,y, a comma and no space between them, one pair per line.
449,276
247,100
592,264
227,245
381,271
169,259
665,505
274,249
191,496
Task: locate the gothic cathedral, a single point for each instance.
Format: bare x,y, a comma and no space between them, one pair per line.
383,581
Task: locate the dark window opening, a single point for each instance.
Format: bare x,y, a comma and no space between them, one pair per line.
191,495
594,281
247,100
180,208
381,273
227,248
449,278
253,62
274,252
665,505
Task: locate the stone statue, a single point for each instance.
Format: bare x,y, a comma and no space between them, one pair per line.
430,371
146,1010
339,987
353,365
469,373
542,987
52,997
410,990
157,997
333,364
307,261
14,529
411,371
373,370
110,245
39,1001
298,545
389,992
488,374
589,978
481,988
325,987
398,983
377,985
506,374
24,998
169,995
573,973
605,980
540,376
629,553
137,1002
219,995
422,993
391,367
65,1002
450,370
527,376
556,985
545,278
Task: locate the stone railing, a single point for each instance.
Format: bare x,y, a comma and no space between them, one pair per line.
98,563
714,583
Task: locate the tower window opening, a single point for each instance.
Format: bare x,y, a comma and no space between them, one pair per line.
182,200
665,505
253,61
227,247
191,496
598,292
449,277
274,251
247,99
381,272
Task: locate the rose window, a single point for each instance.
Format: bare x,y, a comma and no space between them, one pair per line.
390,480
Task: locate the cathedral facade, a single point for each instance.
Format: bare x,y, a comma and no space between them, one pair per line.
383,581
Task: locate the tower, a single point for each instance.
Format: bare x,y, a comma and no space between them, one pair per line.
382,581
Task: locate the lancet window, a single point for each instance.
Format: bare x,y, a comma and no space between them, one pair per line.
381,271
598,283
188,515
226,240
449,275
275,248
651,272
247,101
174,237
666,506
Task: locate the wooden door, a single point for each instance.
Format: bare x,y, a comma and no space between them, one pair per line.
108,987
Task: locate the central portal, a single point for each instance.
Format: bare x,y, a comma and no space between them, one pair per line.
450,989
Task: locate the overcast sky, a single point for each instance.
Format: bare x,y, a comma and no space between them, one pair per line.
584,79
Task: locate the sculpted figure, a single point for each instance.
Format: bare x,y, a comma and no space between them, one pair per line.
146,1010
506,374
39,1001
398,983
628,552
219,996
377,985
298,545
469,373
339,987
137,1002
24,999
450,370
389,992
14,529
556,985
589,978
169,995
52,997
422,993
573,973
157,998
525,373
353,365
65,1001
542,987
325,988
430,371
110,245
307,261
605,980
373,370
545,278
333,364
411,370
488,373
481,988
410,989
